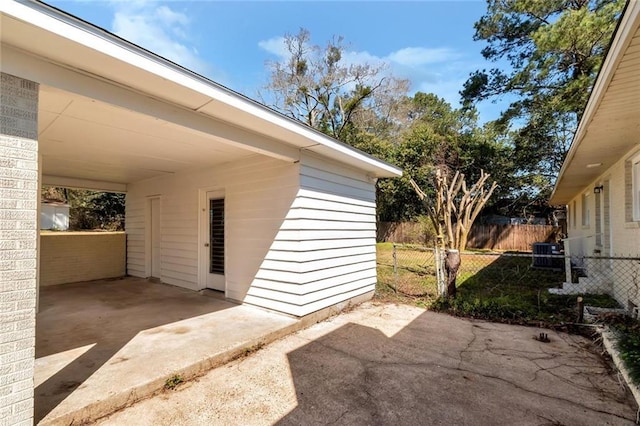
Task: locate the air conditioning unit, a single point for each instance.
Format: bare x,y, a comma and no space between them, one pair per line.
542,253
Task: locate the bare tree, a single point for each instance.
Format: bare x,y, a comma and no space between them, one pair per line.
327,91
453,211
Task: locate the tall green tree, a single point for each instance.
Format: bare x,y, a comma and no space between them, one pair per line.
438,136
90,209
547,55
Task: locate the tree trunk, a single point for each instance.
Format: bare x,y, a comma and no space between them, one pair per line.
462,242
451,265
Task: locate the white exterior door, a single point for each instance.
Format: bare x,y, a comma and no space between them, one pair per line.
155,235
215,241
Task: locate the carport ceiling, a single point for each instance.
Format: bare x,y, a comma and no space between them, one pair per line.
83,138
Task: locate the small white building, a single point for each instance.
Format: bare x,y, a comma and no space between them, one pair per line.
600,178
54,216
221,192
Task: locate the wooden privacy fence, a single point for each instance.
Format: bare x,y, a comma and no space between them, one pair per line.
403,232
511,237
493,237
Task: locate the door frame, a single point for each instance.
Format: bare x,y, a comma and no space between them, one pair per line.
203,234
148,232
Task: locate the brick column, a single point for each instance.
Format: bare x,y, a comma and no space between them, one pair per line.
19,199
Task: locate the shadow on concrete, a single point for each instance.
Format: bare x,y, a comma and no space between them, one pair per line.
442,370
102,316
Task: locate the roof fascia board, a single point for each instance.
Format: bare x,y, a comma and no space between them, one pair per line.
36,69
64,25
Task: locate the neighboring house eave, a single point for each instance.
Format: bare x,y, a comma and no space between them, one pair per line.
591,154
71,42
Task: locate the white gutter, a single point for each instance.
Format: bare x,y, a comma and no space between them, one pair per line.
64,25
621,41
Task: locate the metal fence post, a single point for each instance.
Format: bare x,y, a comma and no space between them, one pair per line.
440,280
395,269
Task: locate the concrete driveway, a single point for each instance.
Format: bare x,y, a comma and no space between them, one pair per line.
102,345
388,364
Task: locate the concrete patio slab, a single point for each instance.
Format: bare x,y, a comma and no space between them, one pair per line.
102,345
401,365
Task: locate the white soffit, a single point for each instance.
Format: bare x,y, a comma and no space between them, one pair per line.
75,44
82,138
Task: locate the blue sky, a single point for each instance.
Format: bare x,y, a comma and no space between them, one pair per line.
428,42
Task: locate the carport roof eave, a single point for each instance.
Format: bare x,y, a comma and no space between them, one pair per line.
171,82
564,189
563,194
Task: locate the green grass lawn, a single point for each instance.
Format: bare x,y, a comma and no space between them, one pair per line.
492,286
414,279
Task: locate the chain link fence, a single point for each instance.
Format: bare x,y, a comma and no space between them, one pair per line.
606,283
614,276
409,269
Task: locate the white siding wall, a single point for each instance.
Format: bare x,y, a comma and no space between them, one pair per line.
625,235
327,242
299,237
258,194
581,237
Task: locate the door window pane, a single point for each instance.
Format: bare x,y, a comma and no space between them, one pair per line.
216,236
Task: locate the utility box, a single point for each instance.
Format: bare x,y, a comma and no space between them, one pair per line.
544,255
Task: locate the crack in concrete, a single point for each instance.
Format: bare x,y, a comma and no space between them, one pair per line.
369,364
337,420
542,394
469,344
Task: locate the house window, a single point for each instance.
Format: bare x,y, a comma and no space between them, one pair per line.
573,215
586,212
635,186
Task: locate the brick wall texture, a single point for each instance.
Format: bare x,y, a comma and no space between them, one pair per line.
19,196
69,257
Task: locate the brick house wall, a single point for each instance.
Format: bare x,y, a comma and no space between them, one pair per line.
69,257
19,198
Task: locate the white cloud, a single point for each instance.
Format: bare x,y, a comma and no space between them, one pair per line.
276,46
362,57
169,17
416,56
159,29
